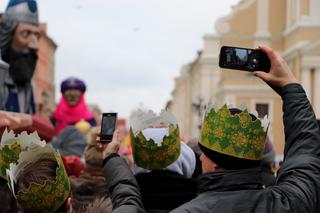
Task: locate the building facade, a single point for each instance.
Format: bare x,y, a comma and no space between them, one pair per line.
43,79
291,27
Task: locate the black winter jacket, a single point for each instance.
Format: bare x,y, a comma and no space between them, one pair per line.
122,186
163,190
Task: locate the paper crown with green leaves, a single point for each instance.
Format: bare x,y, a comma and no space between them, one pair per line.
11,146
51,194
155,139
234,135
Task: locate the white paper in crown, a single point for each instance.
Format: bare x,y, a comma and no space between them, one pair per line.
265,123
24,139
27,142
11,180
33,153
150,119
156,134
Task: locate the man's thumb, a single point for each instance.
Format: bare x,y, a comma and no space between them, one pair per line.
262,75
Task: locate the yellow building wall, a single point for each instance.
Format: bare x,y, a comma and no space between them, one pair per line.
292,14
277,23
277,126
277,44
301,34
304,10
277,17
248,81
244,22
229,74
237,41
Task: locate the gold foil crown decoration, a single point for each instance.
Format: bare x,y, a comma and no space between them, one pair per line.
155,139
46,197
234,135
11,146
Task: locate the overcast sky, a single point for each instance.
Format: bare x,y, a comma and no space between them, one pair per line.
127,51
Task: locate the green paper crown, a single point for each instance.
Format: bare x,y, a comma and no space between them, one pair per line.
18,151
149,155
234,135
48,197
9,153
11,147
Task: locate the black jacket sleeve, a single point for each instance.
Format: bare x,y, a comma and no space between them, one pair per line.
122,185
298,180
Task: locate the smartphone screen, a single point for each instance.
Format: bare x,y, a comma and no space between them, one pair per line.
108,126
243,59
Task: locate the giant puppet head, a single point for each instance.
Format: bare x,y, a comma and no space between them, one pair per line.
19,39
72,90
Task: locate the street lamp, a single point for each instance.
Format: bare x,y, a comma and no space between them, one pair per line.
199,108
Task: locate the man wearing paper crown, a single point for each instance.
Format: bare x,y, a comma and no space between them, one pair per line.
232,142
35,173
163,166
232,138
19,43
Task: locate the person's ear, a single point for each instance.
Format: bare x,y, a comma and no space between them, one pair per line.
216,167
69,205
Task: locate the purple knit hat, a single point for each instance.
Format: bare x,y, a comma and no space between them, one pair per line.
73,83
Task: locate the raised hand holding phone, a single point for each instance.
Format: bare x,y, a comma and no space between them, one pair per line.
111,147
280,74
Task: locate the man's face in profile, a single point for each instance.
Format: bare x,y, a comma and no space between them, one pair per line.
26,37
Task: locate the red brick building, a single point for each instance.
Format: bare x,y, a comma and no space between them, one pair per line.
44,87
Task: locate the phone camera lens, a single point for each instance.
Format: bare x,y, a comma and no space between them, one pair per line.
254,61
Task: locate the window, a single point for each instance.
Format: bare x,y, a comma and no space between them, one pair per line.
262,109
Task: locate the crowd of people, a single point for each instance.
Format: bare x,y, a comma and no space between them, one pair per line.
228,169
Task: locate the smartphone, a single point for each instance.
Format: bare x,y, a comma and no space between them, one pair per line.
243,59
108,126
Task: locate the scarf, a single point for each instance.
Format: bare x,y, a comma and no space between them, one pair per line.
67,115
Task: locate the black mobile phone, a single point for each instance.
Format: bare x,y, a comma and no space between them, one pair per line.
243,59
108,126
